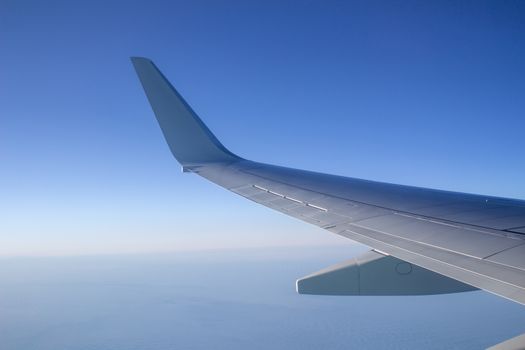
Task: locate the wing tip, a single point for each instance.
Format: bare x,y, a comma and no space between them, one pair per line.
188,138
138,60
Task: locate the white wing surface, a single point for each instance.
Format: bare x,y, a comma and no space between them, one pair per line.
478,240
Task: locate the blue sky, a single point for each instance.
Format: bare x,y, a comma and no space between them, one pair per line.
423,93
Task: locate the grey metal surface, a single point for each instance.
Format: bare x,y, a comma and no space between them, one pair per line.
511,257
516,343
477,210
373,273
474,239
456,250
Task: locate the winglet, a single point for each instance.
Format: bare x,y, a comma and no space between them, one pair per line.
189,139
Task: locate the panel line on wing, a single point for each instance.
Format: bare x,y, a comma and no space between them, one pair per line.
500,232
266,190
427,243
457,225
365,239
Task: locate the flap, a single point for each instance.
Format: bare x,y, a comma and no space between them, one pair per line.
374,273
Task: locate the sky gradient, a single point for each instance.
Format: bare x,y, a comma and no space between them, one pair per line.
421,93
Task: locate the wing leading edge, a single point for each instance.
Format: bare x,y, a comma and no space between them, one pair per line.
477,240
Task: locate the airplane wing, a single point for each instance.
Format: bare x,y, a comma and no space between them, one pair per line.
473,240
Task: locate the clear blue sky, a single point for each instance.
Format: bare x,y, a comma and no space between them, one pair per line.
427,93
